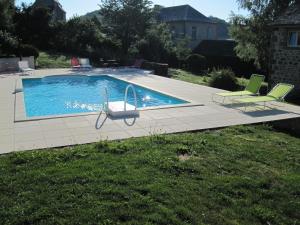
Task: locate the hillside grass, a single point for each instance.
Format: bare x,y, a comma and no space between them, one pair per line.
190,77
239,175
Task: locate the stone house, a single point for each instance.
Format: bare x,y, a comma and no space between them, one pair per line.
285,49
58,14
185,21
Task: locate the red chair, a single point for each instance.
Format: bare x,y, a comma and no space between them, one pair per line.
75,63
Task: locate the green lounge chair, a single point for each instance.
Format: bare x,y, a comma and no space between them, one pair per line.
278,93
251,89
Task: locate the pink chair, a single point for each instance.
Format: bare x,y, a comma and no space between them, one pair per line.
75,63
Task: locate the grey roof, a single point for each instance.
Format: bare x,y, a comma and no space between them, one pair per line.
290,17
182,13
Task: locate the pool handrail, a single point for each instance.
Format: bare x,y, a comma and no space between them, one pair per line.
126,96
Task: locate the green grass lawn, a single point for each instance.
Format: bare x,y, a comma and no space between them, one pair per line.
46,60
187,76
239,175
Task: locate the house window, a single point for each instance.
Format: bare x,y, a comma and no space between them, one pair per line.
294,39
194,33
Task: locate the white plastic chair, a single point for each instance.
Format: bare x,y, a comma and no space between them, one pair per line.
85,63
24,67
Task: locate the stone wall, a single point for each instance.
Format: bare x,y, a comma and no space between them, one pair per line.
11,64
285,61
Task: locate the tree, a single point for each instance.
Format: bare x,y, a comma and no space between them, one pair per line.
83,37
157,44
6,14
8,43
33,26
253,33
127,20
182,50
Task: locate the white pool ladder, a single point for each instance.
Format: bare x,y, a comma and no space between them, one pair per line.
126,96
122,108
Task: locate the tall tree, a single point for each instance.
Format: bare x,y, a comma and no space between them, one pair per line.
253,33
157,44
84,37
33,26
8,42
6,14
127,20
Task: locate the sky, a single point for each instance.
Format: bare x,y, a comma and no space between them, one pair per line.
217,8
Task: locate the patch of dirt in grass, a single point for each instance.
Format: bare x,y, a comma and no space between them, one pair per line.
184,157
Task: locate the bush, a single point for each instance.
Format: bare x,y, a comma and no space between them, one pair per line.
239,67
52,60
28,50
196,62
223,79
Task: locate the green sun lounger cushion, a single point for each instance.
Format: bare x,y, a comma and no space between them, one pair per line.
281,90
276,94
251,89
255,83
235,93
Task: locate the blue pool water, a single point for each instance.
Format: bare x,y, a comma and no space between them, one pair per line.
57,95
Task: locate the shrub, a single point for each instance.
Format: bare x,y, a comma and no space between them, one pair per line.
53,60
223,79
196,62
28,50
238,66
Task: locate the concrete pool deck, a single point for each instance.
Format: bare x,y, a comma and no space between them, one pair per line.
202,114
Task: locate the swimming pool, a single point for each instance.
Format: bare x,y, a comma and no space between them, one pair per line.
58,95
